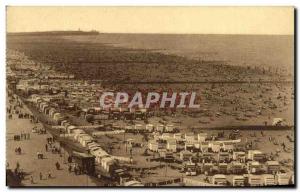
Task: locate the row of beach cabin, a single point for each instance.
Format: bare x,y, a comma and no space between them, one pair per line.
77,133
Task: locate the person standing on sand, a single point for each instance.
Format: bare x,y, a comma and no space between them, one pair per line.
31,179
17,165
57,165
75,170
41,176
49,175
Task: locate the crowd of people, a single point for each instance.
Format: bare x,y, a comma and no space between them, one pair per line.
16,109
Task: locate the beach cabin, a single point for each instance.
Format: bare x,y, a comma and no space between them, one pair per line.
78,135
272,167
227,146
92,149
204,146
207,157
236,167
282,179
44,107
190,168
239,156
122,159
160,128
40,106
138,127
62,123
153,145
140,114
107,163
238,181
254,180
202,137
70,128
189,137
177,136
223,157
115,113
93,144
189,146
185,155
169,128
149,127
99,154
47,110
253,166
208,168
52,111
219,179
165,136
129,128
223,168
215,147
38,102
269,180
171,145
256,155
84,139
56,116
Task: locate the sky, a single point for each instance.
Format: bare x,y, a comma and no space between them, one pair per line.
178,20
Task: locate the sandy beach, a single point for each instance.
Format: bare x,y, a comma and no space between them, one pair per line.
30,164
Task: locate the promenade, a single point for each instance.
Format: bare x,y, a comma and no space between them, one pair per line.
28,161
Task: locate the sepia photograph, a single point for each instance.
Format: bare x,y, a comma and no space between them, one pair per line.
154,97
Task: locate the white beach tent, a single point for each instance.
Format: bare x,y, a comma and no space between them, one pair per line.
149,127
92,144
70,128
52,111
57,116
63,122
77,132
93,149
106,163
84,138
